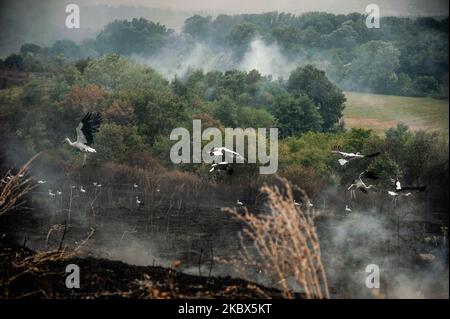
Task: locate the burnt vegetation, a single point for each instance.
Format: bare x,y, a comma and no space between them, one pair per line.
189,239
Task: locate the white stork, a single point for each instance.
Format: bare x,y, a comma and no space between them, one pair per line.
139,202
403,191
358,183
82,189
239,203
347,157
219,152
347,209
50,193
85,134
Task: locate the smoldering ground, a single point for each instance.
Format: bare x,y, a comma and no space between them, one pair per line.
185,223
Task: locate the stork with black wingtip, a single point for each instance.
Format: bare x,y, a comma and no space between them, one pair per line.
223,167
219,152
347,157
358,183
403,191
86,129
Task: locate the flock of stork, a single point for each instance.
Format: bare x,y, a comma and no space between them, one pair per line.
395,192
90,124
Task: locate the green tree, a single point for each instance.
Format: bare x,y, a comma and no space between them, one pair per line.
114,142
328,98
14,61
226,111
115,72
197,26
30,48
240,37
374,63
136,36
296,114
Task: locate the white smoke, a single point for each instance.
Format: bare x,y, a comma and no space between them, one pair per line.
184,54
267,59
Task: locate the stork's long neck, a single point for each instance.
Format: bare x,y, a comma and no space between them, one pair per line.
69,141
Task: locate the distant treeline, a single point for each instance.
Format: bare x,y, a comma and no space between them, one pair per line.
404,56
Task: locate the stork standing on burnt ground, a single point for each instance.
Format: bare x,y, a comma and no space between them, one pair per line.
86,129
403,191
239,203
139,202
347,157
308,203
358,183
97,185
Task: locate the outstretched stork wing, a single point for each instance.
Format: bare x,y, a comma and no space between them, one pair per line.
226,150
372,155
415,188
368,174
87,127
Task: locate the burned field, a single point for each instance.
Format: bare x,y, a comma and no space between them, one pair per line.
23,275
179,242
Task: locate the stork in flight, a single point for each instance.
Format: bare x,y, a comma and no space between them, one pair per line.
88,125
219,152
222,167
358,183
347,157
403,191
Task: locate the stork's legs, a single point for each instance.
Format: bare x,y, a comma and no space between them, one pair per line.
84,159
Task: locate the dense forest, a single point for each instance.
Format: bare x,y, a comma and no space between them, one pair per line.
405,57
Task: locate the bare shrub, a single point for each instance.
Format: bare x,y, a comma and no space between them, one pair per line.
285,244
14,187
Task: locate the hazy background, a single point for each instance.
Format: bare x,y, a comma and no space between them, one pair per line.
42,22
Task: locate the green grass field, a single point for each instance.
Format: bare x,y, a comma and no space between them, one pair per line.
380,112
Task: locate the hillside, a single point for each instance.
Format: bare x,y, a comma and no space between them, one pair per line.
380,112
